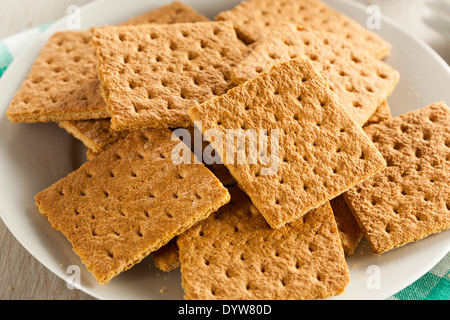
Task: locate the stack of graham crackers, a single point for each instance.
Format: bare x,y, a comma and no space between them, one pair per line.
309,81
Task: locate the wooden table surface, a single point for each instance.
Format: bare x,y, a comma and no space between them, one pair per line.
22,277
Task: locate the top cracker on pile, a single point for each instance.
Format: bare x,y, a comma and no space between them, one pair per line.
293,68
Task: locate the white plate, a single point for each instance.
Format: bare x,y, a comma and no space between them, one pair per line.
33,156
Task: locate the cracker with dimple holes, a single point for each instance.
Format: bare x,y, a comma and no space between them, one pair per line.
254,19
175,12
409,200
152,74
235,254
320,151
129,201
361,82
203,150
63,82
167,258
349,230
97,135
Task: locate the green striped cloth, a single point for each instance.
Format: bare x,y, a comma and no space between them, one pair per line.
11,47
434,285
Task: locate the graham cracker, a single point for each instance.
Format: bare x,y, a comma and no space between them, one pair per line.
167,258
254,19
62,83
320,151
361,82
349,231
129,201
174,12
408,200
152,74
105,134
382,113
236,255
97,135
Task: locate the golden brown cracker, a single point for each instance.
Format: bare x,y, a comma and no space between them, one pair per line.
199,145
129,201
152,74
361,82
90,154
167,257
349,231
235,254
408,200
174,12
62,83
320,151
254,19
97,135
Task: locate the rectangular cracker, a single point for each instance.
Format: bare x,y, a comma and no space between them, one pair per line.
167,257
254,19
152,74
236,255
361,82
63,82
349,231
129,201
97,135
320,153
408,200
